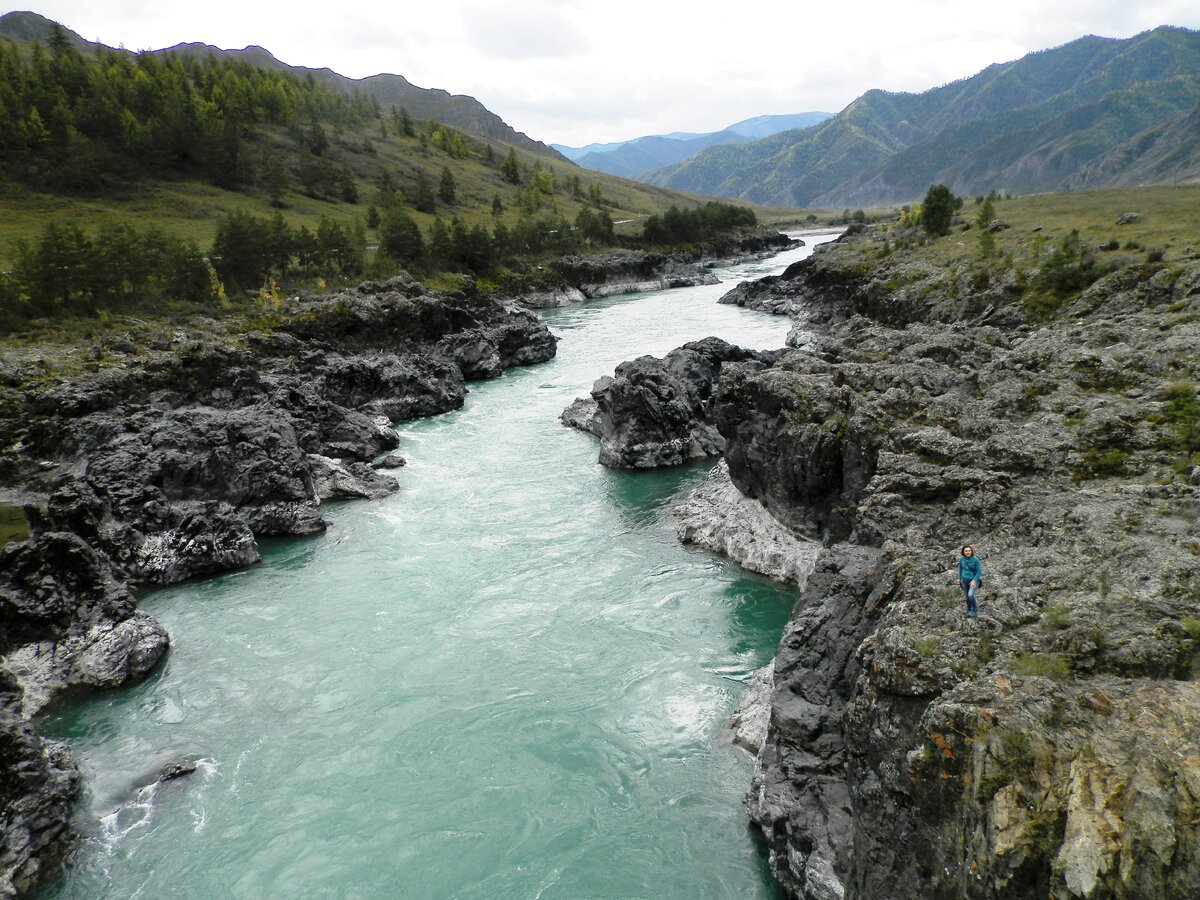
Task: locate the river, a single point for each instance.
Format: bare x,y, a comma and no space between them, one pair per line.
507,680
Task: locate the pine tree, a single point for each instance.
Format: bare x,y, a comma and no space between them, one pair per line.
447,188
937,210
400,238
510,168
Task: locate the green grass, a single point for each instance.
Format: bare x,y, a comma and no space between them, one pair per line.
1046,665
1169,222
190,209
13,526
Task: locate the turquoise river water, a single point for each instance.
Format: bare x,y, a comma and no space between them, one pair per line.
508,680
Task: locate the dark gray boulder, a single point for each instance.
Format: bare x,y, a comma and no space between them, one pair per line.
66,621
38,783
656,412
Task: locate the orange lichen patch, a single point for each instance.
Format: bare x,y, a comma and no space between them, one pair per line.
939,741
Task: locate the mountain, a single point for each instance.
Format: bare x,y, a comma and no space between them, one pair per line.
456,110
1168,153
765,126
633,158
1031,125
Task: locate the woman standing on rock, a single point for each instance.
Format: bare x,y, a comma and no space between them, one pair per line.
970,576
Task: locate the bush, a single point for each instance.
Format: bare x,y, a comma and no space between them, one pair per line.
1056,617
1045,665
1101,464
937,209
1183,411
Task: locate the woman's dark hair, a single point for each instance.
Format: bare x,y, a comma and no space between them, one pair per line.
966,547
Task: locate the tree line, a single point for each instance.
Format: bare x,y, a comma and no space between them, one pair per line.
75,122
66,271
691,226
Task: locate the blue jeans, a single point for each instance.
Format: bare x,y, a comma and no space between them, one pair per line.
969,593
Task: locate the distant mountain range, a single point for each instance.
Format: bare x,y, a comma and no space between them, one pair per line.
456,110
635,157
1096,112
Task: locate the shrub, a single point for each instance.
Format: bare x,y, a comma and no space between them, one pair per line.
1183,411
1056,617
1045,665
1101,464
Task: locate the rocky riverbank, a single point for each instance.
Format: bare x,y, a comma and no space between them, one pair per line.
574,279
1049,747
147,465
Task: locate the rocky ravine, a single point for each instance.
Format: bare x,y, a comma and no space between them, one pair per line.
1052,746
162,464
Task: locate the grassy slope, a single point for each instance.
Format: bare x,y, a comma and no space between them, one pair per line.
190,209
1169,222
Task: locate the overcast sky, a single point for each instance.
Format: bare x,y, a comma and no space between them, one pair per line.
573,72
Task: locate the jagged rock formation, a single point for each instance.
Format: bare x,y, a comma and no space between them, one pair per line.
655,412
171,464
748,723
38,781
719,517
573,279
1051,749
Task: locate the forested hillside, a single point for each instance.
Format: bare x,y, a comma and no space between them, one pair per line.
143,181
70,122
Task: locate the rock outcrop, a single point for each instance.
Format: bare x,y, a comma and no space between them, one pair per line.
1049,747
657,412
38,783
719,517
573,279
170,462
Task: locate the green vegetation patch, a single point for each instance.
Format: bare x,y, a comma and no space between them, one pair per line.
1046,665
13,525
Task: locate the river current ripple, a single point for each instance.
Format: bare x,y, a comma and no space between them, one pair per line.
505,681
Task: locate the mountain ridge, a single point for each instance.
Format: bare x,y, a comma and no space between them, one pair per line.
457,110
635,157
1045,114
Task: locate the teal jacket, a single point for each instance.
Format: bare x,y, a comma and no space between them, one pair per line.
970,569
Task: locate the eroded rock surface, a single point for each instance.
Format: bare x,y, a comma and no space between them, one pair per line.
1050,747
719,517
657,412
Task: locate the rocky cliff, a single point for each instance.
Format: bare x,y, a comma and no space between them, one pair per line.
151,464
1050,747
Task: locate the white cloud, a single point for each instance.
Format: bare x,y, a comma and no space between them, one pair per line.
572,71
523,32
